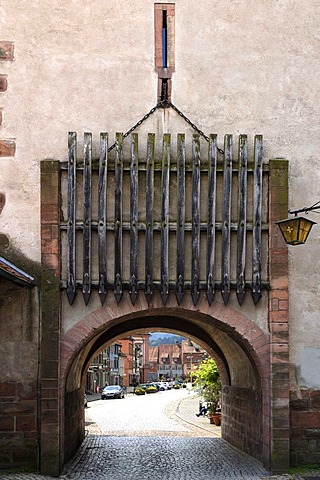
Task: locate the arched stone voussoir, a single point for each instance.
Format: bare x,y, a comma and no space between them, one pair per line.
241,328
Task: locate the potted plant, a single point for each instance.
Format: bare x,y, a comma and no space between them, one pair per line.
209,386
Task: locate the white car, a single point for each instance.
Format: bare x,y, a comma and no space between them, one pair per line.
163,386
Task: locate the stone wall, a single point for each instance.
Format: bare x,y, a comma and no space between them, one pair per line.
74,422
19,387
18,425
305,427
241,419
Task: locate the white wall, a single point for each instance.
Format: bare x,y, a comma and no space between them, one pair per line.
241,67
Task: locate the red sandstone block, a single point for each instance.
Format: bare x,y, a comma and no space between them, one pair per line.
26,391
280,316
49,214
6,51
305,419
279,294
51,261
7,389
3,83
279,358
280,282
47,393
46,232
50,417
26,423
283,305
49,404
279,328
263,350
280,337
279,270
6,423
7,148
50,246
281,433
85,328
259,341
279,348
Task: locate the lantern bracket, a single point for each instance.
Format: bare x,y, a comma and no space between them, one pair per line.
315,206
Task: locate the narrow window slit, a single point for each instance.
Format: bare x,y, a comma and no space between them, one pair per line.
164,39
164,49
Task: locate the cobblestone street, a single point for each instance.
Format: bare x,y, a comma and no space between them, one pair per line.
177,445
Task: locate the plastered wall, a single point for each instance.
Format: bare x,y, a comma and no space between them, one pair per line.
240,67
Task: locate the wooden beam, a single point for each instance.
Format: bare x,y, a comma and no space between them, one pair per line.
181,161
195,293
134,219
212,179
71,225
87,160
102,216
226,240
164,248
149,218
242,216
118,219
257,211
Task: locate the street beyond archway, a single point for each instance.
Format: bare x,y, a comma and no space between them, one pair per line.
156,436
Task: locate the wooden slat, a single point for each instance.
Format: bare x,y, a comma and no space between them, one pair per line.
227,181
71,226
212,179
87,160
181,161
134,219
149,218
195,219
242,217
164,248
102,216
257,207
118,219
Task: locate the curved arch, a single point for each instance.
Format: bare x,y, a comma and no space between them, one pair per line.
112,318
239,346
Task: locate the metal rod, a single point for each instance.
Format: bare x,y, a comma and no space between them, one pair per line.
316,206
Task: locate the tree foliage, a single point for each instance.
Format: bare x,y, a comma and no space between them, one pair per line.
207,382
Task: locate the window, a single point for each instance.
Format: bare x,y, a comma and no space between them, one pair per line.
164,48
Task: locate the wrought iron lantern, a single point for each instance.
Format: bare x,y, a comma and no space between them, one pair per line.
296,230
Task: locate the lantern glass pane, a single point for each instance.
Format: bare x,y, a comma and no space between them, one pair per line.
295,230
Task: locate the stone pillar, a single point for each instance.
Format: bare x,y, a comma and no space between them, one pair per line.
50,460
279,317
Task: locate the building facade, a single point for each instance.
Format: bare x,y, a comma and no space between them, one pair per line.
172,229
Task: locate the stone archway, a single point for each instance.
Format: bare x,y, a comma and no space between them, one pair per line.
239,346
262,331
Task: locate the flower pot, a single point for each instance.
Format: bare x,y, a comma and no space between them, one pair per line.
216,417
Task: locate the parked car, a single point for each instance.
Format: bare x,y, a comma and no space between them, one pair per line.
163,386
112,391
146,387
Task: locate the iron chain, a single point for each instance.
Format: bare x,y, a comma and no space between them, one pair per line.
165,104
